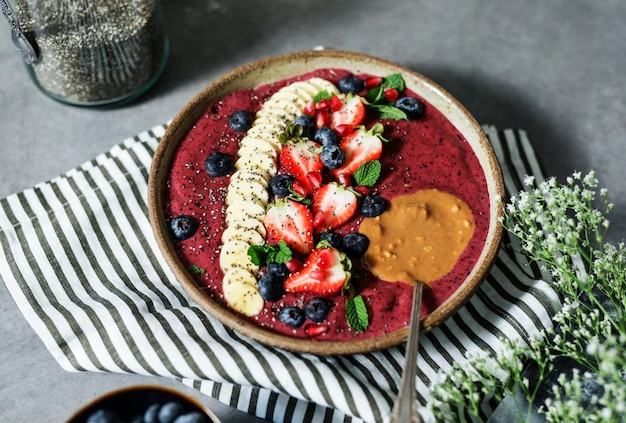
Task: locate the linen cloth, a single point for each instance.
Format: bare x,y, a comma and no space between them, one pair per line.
81,263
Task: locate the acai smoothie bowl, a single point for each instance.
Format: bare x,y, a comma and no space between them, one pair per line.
298,198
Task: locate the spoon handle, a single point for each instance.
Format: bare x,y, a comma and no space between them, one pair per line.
405,409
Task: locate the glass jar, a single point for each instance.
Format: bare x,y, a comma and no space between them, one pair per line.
90,52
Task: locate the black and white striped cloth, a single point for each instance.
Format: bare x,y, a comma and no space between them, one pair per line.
80,261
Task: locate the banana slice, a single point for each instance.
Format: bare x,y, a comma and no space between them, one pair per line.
235,254
253,190
250,176
261,161
237,275
247,196
253,235
257,145
244,298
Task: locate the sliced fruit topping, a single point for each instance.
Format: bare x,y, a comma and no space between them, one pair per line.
301,159
360,146
323,273
244,297
234,253
240,121
333,205
351,114
219,164
292,222
183,227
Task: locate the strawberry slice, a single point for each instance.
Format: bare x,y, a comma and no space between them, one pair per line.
301,159
351,114
360,146
333,205
292,222
323,273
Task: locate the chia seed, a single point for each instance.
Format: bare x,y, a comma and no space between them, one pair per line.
94,52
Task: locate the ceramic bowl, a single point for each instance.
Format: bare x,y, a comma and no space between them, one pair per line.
130,402
288,65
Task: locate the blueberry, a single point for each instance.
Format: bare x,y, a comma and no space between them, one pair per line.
373,205
183,226
271,287
280,185
293,316
169,411
219,164
411,106
326,136
151,415
104,416
333,156
240,121
192,417
333,238
316,309
308,125
350,84
280,270
355,244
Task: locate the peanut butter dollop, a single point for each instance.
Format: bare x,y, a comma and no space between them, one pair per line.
419,237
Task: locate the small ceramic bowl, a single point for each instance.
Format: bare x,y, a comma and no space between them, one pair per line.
280,67
128,403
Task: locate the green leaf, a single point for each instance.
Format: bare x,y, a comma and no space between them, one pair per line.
322,95
356,314
394,81
375,95
192,268
368,173
260,255
387,111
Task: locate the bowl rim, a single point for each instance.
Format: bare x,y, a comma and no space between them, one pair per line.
110,395
281,66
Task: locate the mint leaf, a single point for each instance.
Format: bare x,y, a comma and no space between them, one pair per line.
387,111
368,173
260,255
375,95
192,268
356,314
322,95
280,254
394,81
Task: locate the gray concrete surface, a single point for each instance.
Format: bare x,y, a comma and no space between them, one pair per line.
554,68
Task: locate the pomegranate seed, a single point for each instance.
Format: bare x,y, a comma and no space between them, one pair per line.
315,330
344,179
309,108
335,104
373,82
391,94
298,188
293,264
323,104
321,119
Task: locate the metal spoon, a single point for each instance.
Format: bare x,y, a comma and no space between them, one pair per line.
404,409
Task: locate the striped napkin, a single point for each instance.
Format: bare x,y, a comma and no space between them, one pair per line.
80,261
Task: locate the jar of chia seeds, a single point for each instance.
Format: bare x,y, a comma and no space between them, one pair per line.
90,52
